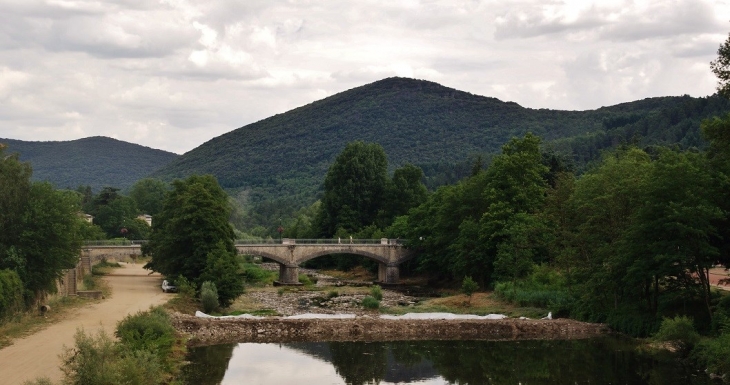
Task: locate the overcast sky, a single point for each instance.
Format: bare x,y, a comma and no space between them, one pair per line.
172,74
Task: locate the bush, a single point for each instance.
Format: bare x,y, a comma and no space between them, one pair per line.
184,287
150,331
370,303
376,292
332,294
102,268
713,355
11,293
89,283
678,330
304,280
97,360
468,287
254,275
209,297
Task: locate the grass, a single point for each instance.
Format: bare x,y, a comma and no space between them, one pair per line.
481,304
358,273
27,323
104,267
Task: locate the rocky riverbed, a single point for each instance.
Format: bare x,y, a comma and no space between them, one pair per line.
331,297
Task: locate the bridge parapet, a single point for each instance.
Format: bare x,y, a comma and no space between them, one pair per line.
288,252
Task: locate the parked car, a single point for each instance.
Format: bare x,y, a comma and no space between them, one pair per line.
168,287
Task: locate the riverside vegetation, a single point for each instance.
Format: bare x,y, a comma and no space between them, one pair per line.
627,240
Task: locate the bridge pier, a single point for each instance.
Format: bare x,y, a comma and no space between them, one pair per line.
288,276
388,274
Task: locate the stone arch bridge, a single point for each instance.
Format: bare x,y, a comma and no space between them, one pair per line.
289,253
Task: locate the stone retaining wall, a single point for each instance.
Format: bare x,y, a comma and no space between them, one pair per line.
214,331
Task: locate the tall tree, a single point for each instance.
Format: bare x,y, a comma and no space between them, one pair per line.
353,189
14,189
50,240
403,192
192,224
149,195
39,228
516,188
721,68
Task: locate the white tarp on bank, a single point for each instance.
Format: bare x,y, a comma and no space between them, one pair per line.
409,316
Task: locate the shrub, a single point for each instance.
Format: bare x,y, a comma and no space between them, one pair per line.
184,287
370,303
254,275
89,283
97,360
102,268
678,330
11,293
332,294
468,287
92,361
150,331
713,355
376,292
304,280
209,297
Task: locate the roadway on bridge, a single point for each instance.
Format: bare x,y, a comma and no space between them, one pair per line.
38,355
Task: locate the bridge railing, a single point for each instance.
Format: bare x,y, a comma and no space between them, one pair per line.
286,241
334,241
115,242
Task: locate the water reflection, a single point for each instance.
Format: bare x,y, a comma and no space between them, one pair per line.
595,361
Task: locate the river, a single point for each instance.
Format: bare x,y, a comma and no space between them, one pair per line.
605,360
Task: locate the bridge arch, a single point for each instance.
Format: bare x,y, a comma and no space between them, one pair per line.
260,253
353,251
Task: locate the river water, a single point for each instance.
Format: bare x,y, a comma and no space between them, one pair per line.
605,360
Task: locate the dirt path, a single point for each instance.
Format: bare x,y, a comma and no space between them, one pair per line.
37,355
717,274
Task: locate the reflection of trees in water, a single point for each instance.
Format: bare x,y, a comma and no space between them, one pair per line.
594,361
359,363
208,364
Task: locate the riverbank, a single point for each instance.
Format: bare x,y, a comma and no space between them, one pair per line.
207,331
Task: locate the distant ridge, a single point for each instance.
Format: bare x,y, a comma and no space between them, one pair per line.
287,155
96,161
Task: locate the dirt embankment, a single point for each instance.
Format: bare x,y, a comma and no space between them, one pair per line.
213,331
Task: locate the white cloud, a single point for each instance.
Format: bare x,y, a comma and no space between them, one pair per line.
175,73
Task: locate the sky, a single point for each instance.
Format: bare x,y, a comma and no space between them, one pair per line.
173,74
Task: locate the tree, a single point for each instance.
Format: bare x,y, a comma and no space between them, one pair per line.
403,192
353,189
515,191
50,240
468,287
192,224
604,203
149,195
113,212
669,242
14,189
721,68
221,268
40,231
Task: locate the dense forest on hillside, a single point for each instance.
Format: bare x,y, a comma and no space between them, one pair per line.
97,161
418,122
276,166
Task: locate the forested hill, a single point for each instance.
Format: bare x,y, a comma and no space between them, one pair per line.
424,123
96,161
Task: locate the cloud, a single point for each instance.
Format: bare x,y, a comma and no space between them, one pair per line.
173,74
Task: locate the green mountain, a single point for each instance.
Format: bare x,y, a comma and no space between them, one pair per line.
96,161
282,160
